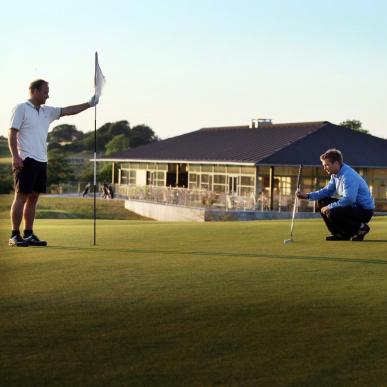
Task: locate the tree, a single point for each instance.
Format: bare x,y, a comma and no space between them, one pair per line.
86,173
104,172
120,127
142,134
58,169
116,144
69,139
105,134
54,145
64,133
76,147
354,125
4,150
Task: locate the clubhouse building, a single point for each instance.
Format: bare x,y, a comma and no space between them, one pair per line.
255,164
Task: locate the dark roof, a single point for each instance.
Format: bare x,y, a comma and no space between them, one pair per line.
269,144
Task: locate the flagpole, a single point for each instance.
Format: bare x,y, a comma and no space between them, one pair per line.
95,153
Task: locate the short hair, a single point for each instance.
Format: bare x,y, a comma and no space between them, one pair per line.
37,84
332,155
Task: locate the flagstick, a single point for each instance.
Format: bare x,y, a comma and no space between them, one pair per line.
95,173
95,155
99,81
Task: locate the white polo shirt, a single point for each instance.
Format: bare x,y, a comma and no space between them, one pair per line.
32,126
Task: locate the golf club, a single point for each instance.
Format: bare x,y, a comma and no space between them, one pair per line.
286,241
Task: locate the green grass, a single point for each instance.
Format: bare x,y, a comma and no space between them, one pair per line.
5,160
51,207
172,304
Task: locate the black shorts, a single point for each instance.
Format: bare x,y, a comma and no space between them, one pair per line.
32,177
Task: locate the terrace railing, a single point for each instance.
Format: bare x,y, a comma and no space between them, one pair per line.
204,198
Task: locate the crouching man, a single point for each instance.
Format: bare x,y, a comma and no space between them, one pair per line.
346,217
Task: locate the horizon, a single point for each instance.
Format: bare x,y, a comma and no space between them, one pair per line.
210,127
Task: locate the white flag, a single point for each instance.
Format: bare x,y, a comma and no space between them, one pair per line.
99,78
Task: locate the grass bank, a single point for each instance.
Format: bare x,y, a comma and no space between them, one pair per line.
51,207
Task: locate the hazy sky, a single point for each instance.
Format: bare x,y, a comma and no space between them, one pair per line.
178,66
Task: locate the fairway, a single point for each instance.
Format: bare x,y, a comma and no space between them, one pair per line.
193,304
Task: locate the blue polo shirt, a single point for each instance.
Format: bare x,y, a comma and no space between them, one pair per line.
350,186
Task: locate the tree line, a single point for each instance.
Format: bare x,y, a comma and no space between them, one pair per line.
70,151
111,138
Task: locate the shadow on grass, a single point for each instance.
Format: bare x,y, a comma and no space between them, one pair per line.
375,240
381,261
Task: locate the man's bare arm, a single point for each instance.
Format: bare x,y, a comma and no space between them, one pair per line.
75,109
17,162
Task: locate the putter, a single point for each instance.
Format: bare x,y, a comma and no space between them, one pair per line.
286,241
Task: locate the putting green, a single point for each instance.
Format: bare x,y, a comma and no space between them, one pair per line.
176,304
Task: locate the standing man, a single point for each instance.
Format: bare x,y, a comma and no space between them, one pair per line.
347,217
27,142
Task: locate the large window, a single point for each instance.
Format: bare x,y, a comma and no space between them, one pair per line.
285,185
220,183
132,177
193,180
128,177
207,168
217,178
124,176
156,178
155,175
206,182
247,185
377,182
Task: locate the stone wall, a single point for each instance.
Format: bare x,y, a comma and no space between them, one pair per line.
167,212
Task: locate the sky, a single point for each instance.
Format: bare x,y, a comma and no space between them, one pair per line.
178,66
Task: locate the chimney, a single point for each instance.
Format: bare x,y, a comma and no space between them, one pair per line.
253,124
258,122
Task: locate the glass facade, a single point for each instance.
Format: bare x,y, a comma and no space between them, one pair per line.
285,184
376,179
272,187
